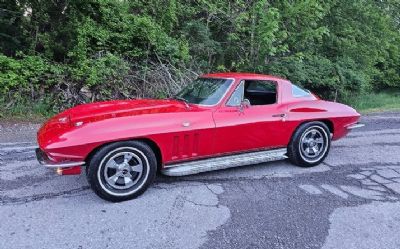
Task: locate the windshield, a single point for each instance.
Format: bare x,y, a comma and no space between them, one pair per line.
204,91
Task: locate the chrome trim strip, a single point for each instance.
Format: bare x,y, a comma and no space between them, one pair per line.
224,162
355,126
62,165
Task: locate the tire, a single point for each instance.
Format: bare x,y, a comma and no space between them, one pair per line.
122,170
310,144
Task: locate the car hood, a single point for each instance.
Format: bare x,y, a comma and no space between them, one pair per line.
119,108
71,119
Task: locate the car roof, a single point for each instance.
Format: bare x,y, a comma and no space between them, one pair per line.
243,75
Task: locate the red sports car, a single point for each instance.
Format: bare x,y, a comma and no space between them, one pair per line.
218,121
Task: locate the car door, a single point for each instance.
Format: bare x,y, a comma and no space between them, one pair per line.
241,126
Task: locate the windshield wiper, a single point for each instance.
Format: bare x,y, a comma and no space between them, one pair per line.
181,99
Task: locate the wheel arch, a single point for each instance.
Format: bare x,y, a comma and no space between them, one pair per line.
156,149
327,122
153,145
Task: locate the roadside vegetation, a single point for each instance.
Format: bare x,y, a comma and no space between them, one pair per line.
376,102
56,54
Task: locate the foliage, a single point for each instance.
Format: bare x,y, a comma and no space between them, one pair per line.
28,74
67,52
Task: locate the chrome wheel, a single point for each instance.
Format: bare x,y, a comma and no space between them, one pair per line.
313,144
123,170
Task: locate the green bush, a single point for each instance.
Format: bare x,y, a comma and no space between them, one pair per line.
30,75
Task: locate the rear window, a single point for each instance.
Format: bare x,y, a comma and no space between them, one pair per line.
299,92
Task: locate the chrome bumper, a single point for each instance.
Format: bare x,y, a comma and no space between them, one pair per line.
355,126
44,160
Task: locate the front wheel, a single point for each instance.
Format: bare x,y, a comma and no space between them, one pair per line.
310,144
122,171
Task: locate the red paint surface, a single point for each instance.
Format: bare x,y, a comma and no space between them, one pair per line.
213,130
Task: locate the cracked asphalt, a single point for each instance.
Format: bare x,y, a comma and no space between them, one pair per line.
350,201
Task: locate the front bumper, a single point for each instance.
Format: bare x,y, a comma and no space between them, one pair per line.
355,126
45,161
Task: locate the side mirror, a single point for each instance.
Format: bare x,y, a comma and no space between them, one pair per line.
245,103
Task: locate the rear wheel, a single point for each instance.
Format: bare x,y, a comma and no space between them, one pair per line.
310,144
122,171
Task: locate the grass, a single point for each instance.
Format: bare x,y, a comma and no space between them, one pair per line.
25,111
376,102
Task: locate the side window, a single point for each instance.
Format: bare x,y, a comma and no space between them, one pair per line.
260,92
237,96
261,86
298,92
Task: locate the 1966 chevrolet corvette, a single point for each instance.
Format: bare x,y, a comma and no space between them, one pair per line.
218,121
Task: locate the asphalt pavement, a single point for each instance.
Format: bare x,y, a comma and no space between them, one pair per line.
352,200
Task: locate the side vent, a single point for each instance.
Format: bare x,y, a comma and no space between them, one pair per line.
175,148
195,151
185,147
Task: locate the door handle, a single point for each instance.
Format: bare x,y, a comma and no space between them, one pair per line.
280,115
186,124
